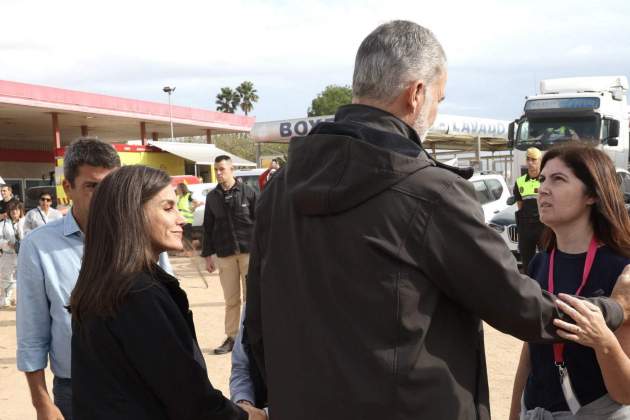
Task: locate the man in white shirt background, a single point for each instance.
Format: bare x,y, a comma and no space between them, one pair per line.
42,214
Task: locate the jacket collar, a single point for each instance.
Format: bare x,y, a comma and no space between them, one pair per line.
236,186
378,119
70,225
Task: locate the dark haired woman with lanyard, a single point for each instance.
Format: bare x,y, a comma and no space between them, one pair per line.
587,245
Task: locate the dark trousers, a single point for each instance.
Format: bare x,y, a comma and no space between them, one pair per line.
188,232
528,239
62,393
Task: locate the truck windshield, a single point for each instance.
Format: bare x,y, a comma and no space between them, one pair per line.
544,133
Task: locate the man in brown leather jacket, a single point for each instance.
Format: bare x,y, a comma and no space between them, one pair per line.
371,266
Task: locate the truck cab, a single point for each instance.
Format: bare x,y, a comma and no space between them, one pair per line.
587,109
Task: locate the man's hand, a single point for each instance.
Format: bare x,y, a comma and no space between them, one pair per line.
621,292
48,412
589,328
253,413
211,265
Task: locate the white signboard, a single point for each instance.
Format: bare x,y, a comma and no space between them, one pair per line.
282,131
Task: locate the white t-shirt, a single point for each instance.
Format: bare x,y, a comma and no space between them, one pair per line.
36,218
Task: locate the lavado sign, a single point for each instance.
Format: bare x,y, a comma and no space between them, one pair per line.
282,131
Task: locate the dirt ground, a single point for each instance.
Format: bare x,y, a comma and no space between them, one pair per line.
207,304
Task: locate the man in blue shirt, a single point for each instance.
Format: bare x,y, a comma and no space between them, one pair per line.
243,377
48,267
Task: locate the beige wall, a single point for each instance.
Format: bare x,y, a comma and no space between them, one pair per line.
25,169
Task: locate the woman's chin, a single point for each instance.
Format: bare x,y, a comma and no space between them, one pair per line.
174,246
177,246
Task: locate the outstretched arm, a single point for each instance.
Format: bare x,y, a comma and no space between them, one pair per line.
471,264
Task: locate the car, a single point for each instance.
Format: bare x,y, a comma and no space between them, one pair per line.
199,193
250,177
504,222
492,192
31,199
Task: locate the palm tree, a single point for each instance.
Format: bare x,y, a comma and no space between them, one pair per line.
226,100
235,101
248,96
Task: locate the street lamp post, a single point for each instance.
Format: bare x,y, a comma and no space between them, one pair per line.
170,90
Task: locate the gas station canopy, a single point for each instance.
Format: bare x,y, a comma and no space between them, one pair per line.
42,118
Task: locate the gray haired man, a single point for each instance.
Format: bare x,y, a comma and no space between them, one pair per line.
372,266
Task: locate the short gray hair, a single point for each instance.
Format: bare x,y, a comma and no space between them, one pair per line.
88,151
393,55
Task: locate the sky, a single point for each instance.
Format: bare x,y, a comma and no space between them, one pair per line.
497,51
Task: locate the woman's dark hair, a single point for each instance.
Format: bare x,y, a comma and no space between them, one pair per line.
183,188
13,205
117,240
609,217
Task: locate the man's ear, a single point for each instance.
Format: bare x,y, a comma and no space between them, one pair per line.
415,95
67,188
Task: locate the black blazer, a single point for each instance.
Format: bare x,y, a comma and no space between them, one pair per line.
144,362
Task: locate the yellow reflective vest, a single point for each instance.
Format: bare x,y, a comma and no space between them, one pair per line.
183,205
527,187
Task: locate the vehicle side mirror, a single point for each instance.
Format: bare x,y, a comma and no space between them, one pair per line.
613,131
614,141
511,200
511,131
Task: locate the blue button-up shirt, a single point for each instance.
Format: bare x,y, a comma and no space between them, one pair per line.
48,267
241,384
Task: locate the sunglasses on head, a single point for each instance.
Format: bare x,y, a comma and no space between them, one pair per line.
45,199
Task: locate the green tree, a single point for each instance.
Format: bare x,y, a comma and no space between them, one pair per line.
248,96
227,100
329,100
241,144
236,100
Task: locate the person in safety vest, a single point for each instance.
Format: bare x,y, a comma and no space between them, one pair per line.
527,220
186,206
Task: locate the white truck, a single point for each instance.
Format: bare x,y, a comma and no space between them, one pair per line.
587,109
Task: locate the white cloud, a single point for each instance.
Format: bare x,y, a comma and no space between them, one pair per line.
292,50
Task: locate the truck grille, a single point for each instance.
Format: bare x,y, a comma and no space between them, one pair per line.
512,233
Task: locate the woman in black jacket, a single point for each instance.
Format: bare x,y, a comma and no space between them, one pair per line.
134,350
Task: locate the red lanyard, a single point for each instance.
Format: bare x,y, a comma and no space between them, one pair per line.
558,348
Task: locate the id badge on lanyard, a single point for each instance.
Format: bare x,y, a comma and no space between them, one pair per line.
558,348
